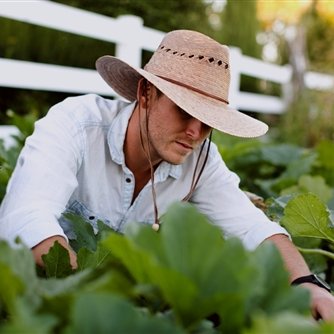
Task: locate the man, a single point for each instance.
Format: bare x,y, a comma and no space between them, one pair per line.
127,162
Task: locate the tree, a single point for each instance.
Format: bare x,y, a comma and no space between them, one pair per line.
319,39
310,117
157,14
239,28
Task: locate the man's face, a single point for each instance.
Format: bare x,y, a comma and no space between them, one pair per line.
173,133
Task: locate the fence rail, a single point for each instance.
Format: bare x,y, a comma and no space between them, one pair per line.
24,74
130,37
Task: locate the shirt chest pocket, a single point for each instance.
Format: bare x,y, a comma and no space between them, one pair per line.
88,215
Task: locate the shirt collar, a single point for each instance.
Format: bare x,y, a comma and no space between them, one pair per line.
117,131
166,169
116,137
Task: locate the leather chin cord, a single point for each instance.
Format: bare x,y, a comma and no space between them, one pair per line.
147,151
196,179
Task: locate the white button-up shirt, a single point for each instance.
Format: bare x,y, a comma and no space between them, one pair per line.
74,161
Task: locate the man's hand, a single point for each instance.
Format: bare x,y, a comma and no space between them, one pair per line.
322,302
44,247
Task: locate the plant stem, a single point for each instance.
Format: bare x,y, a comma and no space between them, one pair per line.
316,251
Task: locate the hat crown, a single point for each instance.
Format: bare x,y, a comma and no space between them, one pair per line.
193,71
193,60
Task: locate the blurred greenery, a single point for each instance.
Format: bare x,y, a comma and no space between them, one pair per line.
9,154
270,169
309,119
319,39
158,14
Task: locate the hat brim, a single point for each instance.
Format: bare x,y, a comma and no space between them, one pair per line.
124,78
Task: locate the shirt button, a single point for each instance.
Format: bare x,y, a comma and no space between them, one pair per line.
127,180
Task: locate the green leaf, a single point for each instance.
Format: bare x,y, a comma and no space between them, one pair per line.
103,230
174,263
281,155
89,259
57,261
106,313
189,266
184,227
85,236
325,162
316,185
299,167
53,287
283,323
327,327
137,261
28,322
275,207
24,123
325,154
313,184
307,216
273,292
22,265
241,153
11,287
58,293
187,236
309,247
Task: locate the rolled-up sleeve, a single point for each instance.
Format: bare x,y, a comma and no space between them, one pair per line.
219,197
43,180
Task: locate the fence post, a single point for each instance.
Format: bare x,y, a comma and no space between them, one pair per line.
287,89
235,59
130,27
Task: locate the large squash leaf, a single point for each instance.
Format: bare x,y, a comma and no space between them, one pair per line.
306,216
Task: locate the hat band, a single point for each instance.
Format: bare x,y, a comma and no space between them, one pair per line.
194,89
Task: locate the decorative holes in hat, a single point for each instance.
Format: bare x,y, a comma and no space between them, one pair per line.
209,59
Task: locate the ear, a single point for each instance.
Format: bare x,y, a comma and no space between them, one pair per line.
143,92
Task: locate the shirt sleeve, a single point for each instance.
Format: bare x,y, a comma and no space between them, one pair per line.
219,197
43,180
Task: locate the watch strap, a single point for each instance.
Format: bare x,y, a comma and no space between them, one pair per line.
314,279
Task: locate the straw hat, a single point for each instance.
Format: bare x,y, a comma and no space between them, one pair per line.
193,71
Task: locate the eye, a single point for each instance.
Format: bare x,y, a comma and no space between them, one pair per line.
184,115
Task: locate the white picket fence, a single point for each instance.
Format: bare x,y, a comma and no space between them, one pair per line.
130,37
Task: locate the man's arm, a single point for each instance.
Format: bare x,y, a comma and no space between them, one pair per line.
322,302
44,246
43,181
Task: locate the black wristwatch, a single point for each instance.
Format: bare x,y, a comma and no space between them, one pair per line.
314,279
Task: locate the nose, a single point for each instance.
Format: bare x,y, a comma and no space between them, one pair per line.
195,129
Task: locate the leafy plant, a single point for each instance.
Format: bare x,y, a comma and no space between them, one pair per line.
311,224
9,155
185,279
274,170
